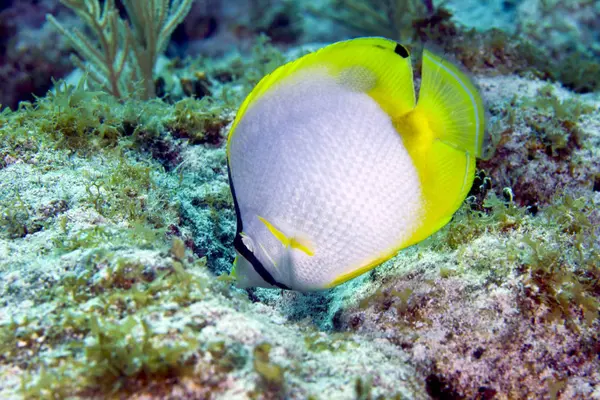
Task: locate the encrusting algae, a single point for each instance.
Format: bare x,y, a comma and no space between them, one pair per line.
117,224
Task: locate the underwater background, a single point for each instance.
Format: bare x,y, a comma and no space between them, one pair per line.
117,222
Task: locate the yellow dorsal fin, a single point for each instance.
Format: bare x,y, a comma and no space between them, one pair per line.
380,67
295,242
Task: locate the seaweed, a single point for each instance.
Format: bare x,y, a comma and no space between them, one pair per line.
271,374
578,72
228,357
318,342
15,217
119,354
481,215
200,121
104,354
72,117
555,123
116,357
50,383
550,282
561,273
10,338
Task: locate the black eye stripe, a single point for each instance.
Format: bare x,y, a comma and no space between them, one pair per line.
239,245
255,262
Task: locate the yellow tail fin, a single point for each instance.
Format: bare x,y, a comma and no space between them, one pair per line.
454,109
443,134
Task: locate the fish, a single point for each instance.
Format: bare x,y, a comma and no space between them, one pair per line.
334,166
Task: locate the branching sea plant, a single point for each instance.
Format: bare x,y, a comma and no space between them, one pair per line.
121,54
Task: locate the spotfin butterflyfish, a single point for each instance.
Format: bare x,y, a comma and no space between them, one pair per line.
334,165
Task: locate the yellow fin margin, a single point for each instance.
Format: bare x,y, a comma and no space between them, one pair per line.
388,61
446,134
441,199
452,104
443,136
362,269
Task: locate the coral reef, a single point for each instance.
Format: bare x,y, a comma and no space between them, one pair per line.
545,142
526,327
116,229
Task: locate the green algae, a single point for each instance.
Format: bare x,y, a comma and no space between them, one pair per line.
554,122
200,121
271,374
125,190
75,117
107,286
568,294
562,272
482,215
120,353
120,191
336,341
228,357
91,122
15,217
116,357
18,218
363,388
108,354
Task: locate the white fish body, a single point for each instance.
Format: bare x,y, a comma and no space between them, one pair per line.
324,185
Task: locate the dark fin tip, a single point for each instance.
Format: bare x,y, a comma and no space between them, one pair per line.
401,51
